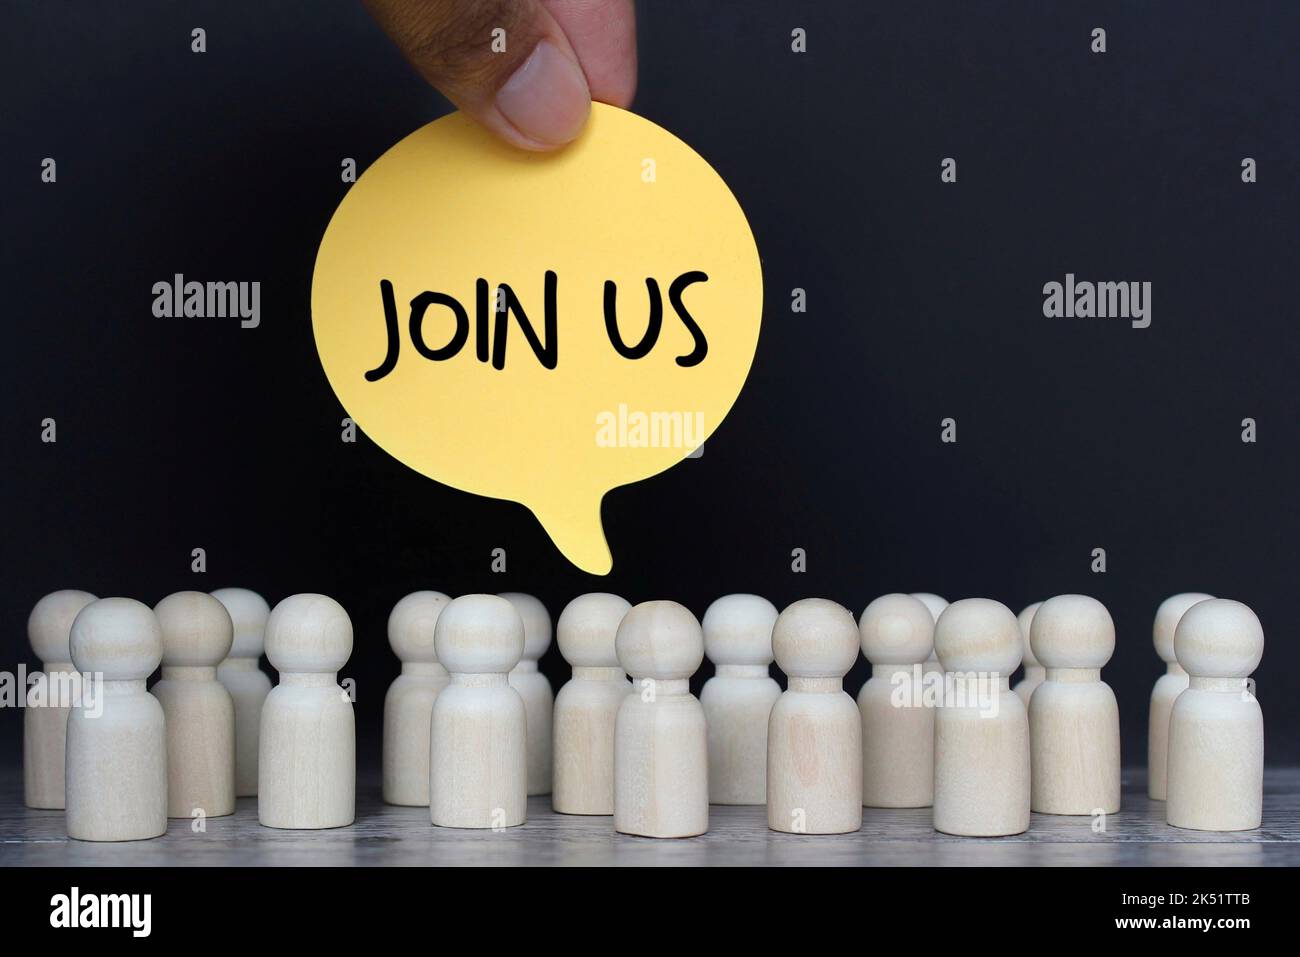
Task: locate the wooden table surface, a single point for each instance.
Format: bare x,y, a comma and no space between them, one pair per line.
384,835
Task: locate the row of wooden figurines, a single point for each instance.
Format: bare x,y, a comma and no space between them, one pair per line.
471,727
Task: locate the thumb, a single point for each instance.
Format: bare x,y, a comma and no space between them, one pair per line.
507,63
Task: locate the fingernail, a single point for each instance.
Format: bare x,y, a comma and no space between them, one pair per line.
546,99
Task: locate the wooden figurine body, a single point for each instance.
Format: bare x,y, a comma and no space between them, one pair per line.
1034,672
307,767
45,717
1167,688
661,752
981,732
116,746
738,699
1073,715
1216,728
897,633
408,705
586,708
478,757
535,688
241,675
814,737
199,713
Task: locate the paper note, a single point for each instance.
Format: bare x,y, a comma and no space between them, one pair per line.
539,327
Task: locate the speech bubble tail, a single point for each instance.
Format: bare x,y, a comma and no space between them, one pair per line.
576,530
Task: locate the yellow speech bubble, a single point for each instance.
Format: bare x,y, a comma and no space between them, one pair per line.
539,327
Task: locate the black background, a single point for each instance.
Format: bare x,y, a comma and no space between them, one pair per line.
924,301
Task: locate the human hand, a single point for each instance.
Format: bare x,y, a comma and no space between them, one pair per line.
558,56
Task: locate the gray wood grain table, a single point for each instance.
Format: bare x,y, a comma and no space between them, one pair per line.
739,836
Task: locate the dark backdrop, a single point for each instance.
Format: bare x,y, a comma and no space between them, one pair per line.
924,302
